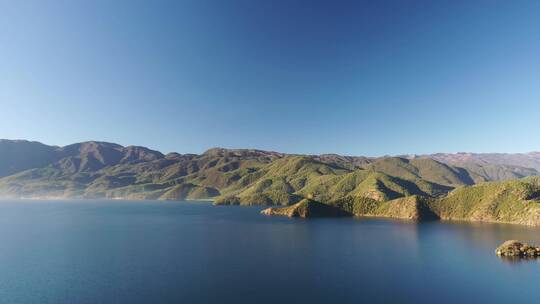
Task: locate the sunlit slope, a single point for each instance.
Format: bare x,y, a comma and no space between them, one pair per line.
290,179
423,169
516,201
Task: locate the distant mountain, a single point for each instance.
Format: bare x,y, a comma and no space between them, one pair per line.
92,156
105,170
19,155
523,160
409,186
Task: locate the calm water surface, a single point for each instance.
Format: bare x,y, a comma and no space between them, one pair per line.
173,252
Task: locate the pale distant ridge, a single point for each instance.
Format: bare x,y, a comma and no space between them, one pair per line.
525,160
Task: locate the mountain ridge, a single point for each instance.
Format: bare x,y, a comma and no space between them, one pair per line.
363,186
532,158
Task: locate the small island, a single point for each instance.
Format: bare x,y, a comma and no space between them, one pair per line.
515,248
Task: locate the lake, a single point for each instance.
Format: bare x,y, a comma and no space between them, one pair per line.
193,252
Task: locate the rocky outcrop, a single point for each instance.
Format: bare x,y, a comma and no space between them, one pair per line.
306,208
515,248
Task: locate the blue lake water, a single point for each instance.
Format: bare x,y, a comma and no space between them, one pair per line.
175,252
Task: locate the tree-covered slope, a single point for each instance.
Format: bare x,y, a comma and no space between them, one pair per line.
306,208
290,179
413,207
423,169
415,188
516,201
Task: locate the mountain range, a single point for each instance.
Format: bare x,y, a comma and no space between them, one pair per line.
466,186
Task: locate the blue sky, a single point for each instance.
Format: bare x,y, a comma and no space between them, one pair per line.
349,77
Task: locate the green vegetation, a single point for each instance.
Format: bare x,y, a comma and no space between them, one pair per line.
306,208
412,188
492,172
423,169
516,201
410,207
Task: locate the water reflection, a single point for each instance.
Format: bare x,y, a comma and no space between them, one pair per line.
491,234
520,260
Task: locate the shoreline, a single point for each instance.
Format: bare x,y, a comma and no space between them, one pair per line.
454,221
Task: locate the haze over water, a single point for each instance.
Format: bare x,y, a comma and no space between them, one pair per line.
177,252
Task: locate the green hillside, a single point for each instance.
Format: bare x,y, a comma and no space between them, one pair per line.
306,208
516,201
412,207
290,179
413,188
423,169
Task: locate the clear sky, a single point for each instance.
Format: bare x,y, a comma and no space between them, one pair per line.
350,77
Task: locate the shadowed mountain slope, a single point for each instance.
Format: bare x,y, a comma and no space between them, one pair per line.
20,155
